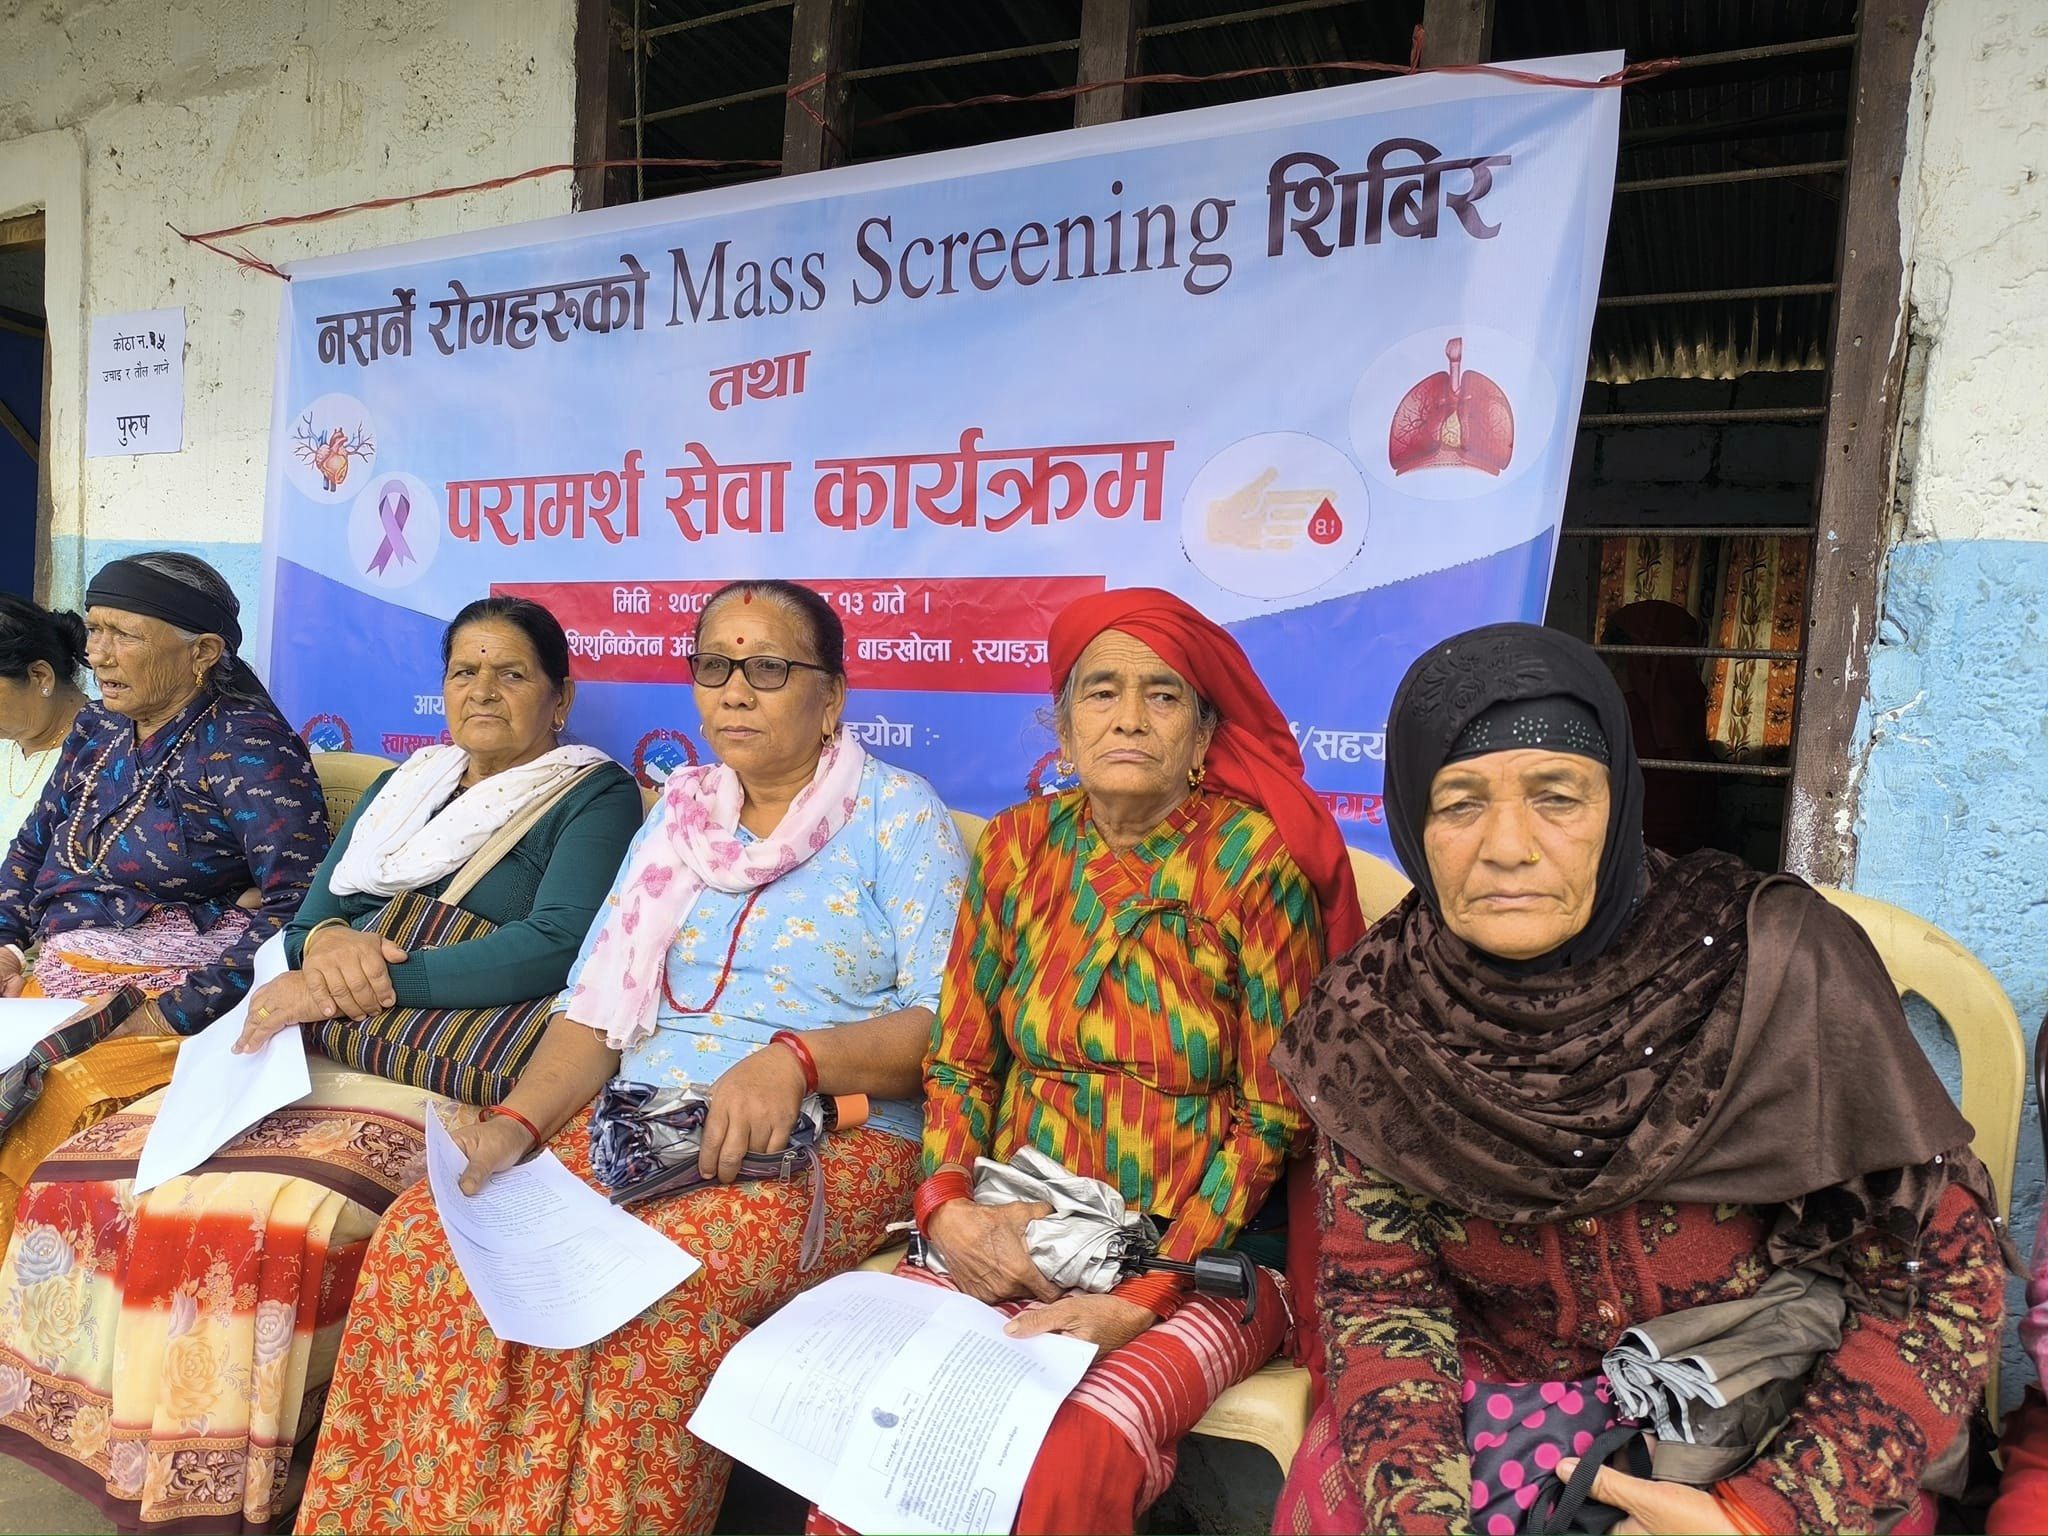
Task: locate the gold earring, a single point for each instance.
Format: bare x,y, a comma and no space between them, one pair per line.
1196,774
1063,768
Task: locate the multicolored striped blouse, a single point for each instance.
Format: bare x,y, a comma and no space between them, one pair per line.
238,809
1117,1011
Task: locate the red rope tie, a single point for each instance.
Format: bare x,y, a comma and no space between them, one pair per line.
801,92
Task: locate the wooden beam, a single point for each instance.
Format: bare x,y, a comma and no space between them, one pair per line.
11,425
24,231
1457,31
824,43
604,92
1866,363
1109,51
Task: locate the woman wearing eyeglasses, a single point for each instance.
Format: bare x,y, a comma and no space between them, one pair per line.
779,927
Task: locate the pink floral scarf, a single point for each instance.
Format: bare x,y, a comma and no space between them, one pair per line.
695,843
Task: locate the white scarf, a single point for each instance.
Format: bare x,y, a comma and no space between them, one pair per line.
412,835
696,845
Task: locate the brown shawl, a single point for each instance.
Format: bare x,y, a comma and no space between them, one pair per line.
1738,1042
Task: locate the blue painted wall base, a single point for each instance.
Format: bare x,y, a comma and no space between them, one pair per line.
1950,819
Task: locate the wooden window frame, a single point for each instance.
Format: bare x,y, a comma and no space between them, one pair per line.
1856,483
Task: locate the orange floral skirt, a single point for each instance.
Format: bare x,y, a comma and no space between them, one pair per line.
434,1424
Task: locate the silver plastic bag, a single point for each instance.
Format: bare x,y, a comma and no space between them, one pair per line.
1080,1246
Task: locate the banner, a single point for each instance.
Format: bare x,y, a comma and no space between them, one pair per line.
1314,363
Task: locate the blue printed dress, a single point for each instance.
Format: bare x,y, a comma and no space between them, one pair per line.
858,930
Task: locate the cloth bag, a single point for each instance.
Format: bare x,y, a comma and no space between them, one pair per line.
1690,1397
1080,1245
645,1141
1715,1383
471,1054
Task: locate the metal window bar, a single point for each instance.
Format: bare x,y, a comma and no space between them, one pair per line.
1699,652
671,28
1691,531
1716,295
1234,18
1734,418
1728,770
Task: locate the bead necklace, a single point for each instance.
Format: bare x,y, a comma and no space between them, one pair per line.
143,793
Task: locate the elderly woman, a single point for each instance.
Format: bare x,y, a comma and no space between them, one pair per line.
1568,1087
179,830
1126,957
184,1339
778,928
40,654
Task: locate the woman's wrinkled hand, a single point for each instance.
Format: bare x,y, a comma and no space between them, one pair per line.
353,969
491,1144
279,1004
984,1249
1655,1508
1107,1322
754,1105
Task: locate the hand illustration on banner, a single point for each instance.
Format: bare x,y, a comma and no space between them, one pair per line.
1275,516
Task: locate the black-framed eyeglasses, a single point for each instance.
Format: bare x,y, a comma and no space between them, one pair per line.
766,673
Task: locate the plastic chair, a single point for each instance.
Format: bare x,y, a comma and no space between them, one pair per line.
1926,963
970,826
343,777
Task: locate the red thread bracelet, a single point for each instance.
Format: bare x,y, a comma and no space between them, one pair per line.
518,1119
942,1188
1158,1294
795,1042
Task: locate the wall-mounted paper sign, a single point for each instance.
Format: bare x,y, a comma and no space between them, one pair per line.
135,384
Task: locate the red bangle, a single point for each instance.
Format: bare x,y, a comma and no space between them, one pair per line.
795,1042
518,1119
1156,1293
942,1188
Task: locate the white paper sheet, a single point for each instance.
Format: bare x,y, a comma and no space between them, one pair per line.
892,1405
216,1095
24,1021
135,384
550,1260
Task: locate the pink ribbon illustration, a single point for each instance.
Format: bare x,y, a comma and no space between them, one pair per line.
393,508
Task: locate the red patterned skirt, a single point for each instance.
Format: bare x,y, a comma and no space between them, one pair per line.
434,1424
165,1356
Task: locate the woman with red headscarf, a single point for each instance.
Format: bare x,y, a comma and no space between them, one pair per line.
1122,967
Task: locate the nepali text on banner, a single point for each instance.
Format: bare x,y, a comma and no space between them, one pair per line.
1312,362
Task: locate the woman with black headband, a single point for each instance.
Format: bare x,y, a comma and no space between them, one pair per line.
181,829
1570,1086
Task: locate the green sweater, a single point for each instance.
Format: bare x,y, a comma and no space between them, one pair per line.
543,895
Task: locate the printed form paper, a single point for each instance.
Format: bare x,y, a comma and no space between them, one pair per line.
216,1095
892,1405
551,1261
26,1021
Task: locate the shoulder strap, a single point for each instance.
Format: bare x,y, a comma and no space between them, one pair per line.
508,837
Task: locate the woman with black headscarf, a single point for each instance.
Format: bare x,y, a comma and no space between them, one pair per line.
1569,1086
180,829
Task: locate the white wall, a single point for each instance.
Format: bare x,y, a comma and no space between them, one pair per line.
1974,221
122,116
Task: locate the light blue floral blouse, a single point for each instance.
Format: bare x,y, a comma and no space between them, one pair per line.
858,930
